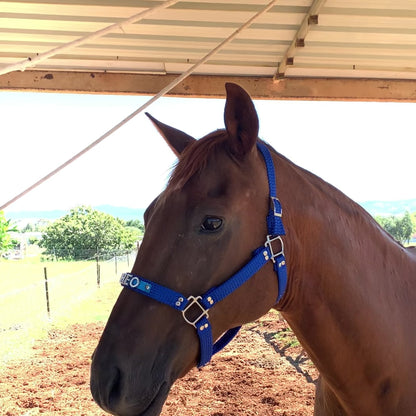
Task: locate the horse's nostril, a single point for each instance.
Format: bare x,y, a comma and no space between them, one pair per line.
114,389
106,387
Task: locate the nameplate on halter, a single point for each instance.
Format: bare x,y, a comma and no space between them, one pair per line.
135,282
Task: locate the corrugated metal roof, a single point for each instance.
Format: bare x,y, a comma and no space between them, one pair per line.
346,38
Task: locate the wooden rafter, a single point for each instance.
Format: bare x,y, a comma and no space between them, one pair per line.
311,18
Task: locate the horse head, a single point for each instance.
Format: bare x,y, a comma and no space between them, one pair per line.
199,231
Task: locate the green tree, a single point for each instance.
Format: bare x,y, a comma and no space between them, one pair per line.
6,242
85,233
28,228
413,217
401,228
136,224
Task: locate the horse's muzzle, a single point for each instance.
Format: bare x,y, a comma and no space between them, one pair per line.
115,396
105,387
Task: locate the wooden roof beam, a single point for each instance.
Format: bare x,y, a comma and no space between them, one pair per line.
209,86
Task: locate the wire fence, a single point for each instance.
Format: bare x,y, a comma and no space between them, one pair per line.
45,291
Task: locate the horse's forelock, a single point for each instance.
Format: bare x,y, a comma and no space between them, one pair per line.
195,158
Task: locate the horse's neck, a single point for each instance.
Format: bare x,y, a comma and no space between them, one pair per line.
344,291
332,243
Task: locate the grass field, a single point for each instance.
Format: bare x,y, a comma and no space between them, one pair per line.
73,295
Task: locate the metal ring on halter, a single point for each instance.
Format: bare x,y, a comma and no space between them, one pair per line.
194,300
268,243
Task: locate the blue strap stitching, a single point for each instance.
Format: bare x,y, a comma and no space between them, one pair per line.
274,219
218,293
155,291
260,257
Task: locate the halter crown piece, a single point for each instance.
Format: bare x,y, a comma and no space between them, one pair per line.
204,302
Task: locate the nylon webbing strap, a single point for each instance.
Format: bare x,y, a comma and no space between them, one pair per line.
214,295
274,221
274,217
203,303
178,301
153,290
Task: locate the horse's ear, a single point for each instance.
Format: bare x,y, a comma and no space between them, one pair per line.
176,139
241,120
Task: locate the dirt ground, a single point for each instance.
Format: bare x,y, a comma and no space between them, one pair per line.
262,372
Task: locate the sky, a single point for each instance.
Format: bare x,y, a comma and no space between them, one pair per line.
367,150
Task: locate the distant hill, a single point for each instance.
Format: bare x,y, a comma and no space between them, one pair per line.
386,208
23,215
123,213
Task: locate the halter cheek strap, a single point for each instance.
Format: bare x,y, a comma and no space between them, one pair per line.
199,305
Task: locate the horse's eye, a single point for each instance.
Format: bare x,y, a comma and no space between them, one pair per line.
211,224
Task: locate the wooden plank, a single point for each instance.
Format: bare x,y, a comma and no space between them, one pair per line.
211,86
299,39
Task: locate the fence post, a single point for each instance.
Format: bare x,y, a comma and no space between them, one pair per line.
115,262
45,272
98,272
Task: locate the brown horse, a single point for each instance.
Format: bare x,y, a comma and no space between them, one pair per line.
350,295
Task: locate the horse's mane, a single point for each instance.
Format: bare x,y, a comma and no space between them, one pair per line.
195,158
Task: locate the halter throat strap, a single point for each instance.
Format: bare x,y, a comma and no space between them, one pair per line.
198,306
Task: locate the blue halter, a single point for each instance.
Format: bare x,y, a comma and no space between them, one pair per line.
204,302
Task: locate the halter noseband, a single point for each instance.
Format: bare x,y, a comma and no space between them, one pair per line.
261,256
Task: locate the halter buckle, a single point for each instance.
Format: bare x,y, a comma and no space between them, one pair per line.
270,239
194,300
277,207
